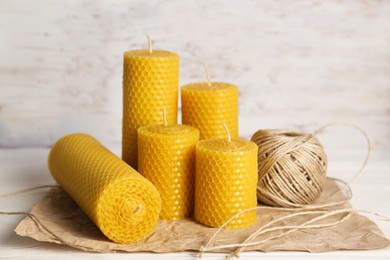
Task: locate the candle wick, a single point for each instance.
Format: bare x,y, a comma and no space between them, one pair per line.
137,209
150,44
207,74
229,137
165,116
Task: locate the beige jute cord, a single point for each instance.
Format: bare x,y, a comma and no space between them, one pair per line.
40,225
291,228
27,190
322,209
33,217
292,166
321,129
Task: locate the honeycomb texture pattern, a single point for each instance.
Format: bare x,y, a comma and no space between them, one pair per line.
208,107
167,159
225,182
121,202
150,82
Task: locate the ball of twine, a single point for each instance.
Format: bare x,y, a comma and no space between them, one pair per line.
292,167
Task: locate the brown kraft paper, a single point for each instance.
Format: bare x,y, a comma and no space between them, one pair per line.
65,223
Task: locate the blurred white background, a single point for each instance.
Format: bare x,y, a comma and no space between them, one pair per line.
298,64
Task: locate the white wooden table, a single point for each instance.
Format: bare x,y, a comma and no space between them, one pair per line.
23,168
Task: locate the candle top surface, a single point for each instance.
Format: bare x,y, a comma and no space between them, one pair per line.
164,130
204,86
145,53
223,145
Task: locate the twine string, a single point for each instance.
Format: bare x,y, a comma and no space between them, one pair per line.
33,217
304,225
287,195
291,228
36,221
364,133
292,168
347,185
13,193
207,247
40,225
263,230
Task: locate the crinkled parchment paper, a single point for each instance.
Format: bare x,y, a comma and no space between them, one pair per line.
63,218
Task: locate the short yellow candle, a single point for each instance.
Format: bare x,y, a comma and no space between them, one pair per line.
226,179
207,105
122,203
166,157
150,81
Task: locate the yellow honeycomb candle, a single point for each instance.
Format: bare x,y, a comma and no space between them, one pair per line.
166,157
150,81
225,182
122,203
207,105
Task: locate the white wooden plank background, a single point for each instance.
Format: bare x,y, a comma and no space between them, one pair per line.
299,64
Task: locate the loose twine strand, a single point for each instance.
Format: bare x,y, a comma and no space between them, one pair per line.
302,210
38,223
33,217
357,174
13,193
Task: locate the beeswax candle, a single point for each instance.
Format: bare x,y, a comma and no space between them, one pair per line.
225,182
150,81
207,105
166,157
122,203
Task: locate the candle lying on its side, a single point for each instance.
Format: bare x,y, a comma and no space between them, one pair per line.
207,105
123,204
166,157
225,182
150,81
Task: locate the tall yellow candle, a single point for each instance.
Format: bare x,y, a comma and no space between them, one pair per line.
225,182
166,157
150,81
207,105
123,204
